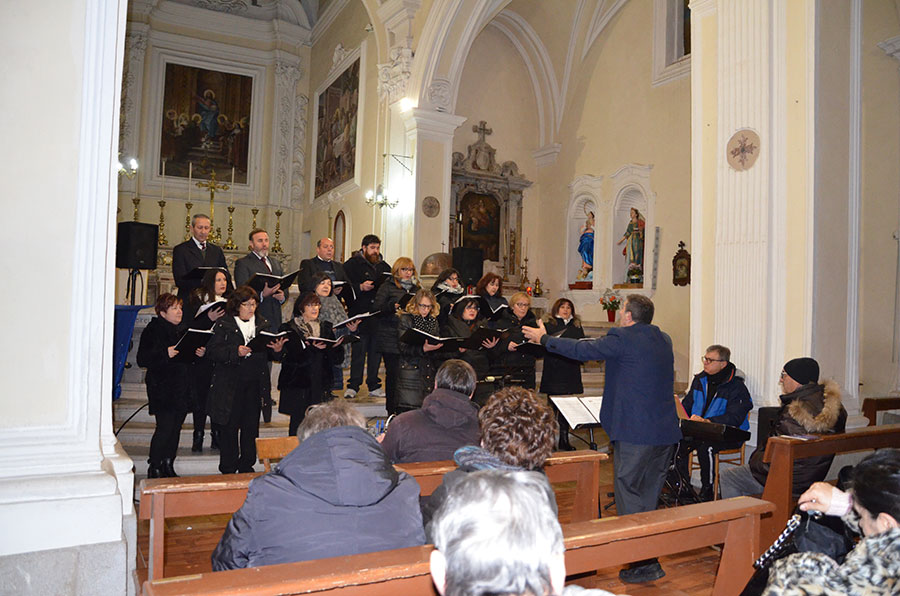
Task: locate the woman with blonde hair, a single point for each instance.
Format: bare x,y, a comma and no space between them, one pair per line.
393,294
519,365
417,363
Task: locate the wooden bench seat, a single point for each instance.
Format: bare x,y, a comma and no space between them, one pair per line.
782,452
872,405
590,545
166,498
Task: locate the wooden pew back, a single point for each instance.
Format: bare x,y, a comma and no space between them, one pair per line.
590,545
164,498
872,405
782,452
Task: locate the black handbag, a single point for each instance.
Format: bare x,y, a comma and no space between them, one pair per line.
804,533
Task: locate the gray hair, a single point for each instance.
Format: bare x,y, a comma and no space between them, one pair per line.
197,216
498,534
456,375
331,414
640,307
723,352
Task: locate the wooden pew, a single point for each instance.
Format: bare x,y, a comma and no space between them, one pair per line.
590,545
164,498
782,452
872,405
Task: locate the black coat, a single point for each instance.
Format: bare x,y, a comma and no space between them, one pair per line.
416,376
228,367
168,384
359,270
494,320
306,369
387,296
479,359
309,267
186,257
561,375
518,365
336,494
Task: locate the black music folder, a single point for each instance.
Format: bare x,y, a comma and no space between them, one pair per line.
264,338
359,317
417,337
482,334
259,280
189,342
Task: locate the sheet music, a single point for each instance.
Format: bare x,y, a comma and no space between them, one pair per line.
593,404
575,411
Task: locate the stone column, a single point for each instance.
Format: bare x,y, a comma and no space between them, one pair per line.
287,74
429,134
753,68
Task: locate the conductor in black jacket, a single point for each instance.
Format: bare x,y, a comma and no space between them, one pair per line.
195,252
366,271
323,261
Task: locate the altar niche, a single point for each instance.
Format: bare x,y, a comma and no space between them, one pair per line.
486,206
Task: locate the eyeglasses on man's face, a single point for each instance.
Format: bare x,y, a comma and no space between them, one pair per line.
708,360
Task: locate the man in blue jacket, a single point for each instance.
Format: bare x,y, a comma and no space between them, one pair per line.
718,394
638,412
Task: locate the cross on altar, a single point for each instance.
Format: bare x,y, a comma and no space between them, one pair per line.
482,130
213,186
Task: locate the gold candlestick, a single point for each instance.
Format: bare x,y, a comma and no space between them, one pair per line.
525,283
137,203
187,221
254,211
229,244
162,223
277,246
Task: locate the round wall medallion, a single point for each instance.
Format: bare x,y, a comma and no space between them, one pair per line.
431,206
743,149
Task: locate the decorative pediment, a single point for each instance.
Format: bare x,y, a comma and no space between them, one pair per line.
481,160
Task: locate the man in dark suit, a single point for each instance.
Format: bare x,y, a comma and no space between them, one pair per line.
323,262
366,271
258,261
195,252
271,298
638,411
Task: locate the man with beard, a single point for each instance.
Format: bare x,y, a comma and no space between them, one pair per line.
366,270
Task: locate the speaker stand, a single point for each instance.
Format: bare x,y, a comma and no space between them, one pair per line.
132,282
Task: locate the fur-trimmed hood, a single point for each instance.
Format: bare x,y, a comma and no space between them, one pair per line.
816,407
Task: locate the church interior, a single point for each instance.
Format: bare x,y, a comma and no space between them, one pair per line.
755,145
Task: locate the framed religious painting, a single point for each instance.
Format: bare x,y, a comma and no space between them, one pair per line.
681,266
206,118
337,122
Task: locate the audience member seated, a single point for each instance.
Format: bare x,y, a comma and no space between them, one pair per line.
873,506
497,533
518,432
807,407
717,394
447,420
335,494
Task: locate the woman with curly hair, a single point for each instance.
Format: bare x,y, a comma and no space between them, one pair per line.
518,432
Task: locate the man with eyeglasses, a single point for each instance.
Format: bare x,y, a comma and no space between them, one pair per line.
638,412
807,407
718,394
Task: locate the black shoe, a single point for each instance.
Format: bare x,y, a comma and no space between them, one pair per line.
154,471
642,572
214,443
168,468
706,493
197,447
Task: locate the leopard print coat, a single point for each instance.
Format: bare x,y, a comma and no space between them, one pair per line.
870,569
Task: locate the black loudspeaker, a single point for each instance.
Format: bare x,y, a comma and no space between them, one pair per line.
470,264
136,245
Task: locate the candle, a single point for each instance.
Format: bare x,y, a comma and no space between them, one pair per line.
163,194
190,178
232,186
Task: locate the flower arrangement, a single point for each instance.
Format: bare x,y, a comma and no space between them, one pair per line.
610,300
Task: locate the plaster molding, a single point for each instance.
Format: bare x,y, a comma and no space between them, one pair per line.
393,76
603,14
854,207
540,70
891,47
440,94
136,41
326,19
631,187
287,74
398,15
701,8
435,125
267,28
570,58
588,184
546,155
298,172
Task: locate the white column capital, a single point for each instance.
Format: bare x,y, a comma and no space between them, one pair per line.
439,125
891,47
